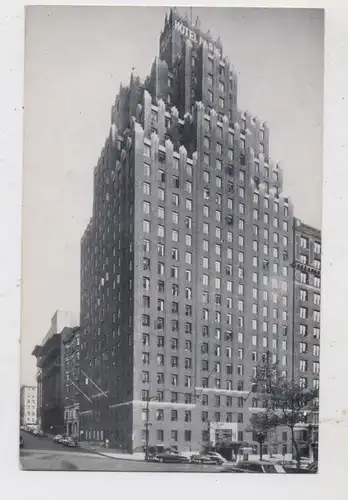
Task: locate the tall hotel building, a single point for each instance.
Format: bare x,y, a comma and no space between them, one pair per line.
186,264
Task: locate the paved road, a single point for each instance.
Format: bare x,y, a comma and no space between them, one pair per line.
44,454
43,443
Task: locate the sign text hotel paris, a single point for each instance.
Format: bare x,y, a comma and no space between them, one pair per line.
194,37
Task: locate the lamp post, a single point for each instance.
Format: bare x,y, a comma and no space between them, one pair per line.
147,425
260,438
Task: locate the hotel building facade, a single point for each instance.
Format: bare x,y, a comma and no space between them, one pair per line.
187,262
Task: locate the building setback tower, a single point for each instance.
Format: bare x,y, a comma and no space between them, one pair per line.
186,274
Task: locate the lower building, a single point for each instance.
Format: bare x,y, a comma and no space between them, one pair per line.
50,376
71,373
71,420
28,405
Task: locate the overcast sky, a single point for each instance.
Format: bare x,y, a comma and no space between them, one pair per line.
76,58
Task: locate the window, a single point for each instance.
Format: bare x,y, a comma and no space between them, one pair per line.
316,282
316,350
146,229
303,242
188,240
218,166
175,199
175,217
188,186
316,316
303,365
189,205
146,188
316,366
146,207
317,263
303,312
304,259
174,272
304,330
317,247
303,347
160,231
303,277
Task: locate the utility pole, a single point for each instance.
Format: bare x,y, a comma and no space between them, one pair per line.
147,425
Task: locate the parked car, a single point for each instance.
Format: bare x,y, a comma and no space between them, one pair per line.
58,438
69,441
258,467
171,456
217,456
21,442
312,468
205,458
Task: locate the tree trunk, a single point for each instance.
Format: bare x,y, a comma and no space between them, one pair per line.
261,451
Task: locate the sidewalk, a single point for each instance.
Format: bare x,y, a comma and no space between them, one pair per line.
111,453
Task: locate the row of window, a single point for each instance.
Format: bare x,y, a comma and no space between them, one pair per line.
304,331
304,297
304,243
304,366
228,336
218,218
304,349
305,279
304,314
218,199
160,415
159,322
304,260
174,360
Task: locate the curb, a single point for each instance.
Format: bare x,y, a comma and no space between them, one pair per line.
113,458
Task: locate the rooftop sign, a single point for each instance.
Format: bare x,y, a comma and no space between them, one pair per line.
195,37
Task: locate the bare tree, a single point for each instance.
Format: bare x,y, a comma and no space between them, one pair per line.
286,400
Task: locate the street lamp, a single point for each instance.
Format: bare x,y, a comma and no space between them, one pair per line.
147,425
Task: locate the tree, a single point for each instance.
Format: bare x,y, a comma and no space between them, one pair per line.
285,399
260,425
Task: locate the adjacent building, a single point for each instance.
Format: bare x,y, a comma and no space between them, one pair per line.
28,405
307,275
71,372
50,376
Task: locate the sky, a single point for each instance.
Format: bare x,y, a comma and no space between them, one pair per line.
75,60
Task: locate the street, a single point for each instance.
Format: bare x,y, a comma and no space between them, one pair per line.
43,454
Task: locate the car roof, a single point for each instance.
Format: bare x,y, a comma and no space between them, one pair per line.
257,462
